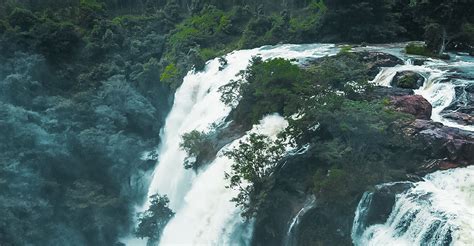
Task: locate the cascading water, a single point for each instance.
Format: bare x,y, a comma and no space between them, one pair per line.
204,213
290,238
436,211
442,78
440,209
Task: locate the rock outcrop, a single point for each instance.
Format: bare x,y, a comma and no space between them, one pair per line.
377,60
408,80
452,145
412,104
461,109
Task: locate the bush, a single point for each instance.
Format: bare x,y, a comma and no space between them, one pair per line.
198,146
152,222
22,19
265,87
254,162
170,74
58,41
417,49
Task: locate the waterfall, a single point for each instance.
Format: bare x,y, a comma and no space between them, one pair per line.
436,211
290,238
437,89
204,213
360,218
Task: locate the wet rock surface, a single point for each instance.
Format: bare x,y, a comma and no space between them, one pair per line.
450,144
461,109
408,80
383,200
377,60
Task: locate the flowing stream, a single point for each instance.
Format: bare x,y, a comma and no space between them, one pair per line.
442,80
440,209
436,211
290,238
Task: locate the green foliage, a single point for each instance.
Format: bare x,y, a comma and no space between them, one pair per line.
361,21
57,41
92,5
3,26
85,194
254,163
170,74
418,49
22,18
409,82
305,25
265,87
345,49
198,28
344,72
198,146
335,186
468,33
152,222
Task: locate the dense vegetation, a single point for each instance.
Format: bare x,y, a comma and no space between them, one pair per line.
354,142
152,222
85,86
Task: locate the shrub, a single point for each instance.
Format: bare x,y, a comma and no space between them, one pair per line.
265,87
417,49
254,162
170,74
152,222
198,146
22,18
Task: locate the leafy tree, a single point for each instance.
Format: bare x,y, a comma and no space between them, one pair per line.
198,146
170,74
254,163
152,222
443,21
23,19
361,21
264,87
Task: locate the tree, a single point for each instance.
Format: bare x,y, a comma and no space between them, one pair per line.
152,222
198,146
361,21
443,21
254,162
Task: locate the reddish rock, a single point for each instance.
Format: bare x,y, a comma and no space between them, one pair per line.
452,145
412,104
445,165
460,118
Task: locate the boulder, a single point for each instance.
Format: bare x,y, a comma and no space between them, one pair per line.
419,61
460,118
383,200
408,80
412,104
452,145
461,110
377,60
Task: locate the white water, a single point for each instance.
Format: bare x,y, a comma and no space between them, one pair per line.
290,238
436,211
440,94
204,213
